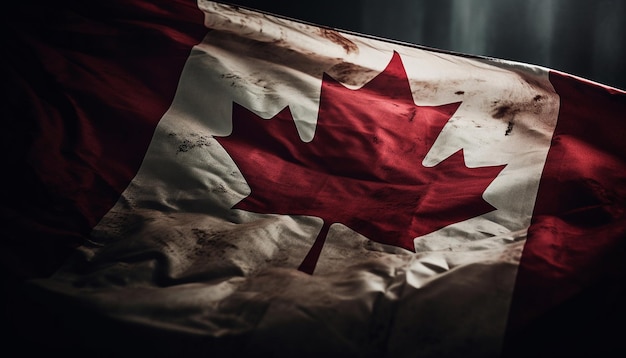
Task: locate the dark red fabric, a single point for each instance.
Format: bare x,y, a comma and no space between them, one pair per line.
85,84
570,285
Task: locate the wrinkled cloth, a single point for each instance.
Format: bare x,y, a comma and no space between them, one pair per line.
173,269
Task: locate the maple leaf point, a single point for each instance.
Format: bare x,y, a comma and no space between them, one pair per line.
363,167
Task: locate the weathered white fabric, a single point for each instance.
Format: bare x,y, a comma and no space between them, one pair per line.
173,256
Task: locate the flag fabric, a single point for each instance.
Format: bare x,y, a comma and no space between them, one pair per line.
206,179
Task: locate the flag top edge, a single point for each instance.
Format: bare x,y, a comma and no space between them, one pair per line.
422,47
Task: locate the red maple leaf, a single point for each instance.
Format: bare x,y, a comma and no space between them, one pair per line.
363,167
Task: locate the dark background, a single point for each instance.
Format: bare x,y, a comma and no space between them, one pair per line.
580,37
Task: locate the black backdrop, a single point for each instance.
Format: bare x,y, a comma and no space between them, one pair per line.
581,37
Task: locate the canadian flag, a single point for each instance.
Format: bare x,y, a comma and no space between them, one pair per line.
192,179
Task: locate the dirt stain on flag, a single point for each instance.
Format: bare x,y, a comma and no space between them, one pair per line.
306,62
212,242
187,144
351,74
336,37
509,109
509,128
505,111
421,88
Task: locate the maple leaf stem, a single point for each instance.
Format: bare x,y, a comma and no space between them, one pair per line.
309,262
